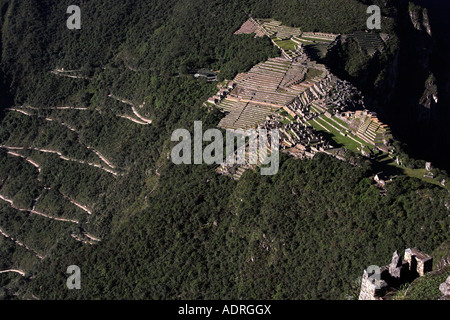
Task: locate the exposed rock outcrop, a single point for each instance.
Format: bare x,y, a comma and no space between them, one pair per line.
395,266
445,287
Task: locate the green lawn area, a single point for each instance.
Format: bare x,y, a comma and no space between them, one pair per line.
353,145
419,173
316,39
337,137
384,157
313,108
285,121
342,122
313,73
316,126
286,44
333,122
414,173
303,40
316,50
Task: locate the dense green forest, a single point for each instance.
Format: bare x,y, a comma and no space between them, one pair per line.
316,222
158,37
178,232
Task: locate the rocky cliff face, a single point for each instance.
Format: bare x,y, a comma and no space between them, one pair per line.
414,95
408,84
430,96
419,18
424,55
420,107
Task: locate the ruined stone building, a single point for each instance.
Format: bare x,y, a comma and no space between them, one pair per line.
376,283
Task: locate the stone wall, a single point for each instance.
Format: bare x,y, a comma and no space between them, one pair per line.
371,288
422,261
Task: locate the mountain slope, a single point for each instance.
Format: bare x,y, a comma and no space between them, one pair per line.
85,178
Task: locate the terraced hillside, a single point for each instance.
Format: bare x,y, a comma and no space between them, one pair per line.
291,41
267,87
371,129
304,90
369,42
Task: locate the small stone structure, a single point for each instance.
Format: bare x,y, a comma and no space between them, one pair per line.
372,288
414,264
418,261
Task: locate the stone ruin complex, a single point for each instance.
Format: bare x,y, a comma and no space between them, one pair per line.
400,271
296,95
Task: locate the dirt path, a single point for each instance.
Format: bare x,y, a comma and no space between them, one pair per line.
147,121
22,273
62,73
33,211
91,236
62,157
132,119
108,163
21,244
81,240
20,111
91,239
26,159
84,208
142,120
101,157
52,108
